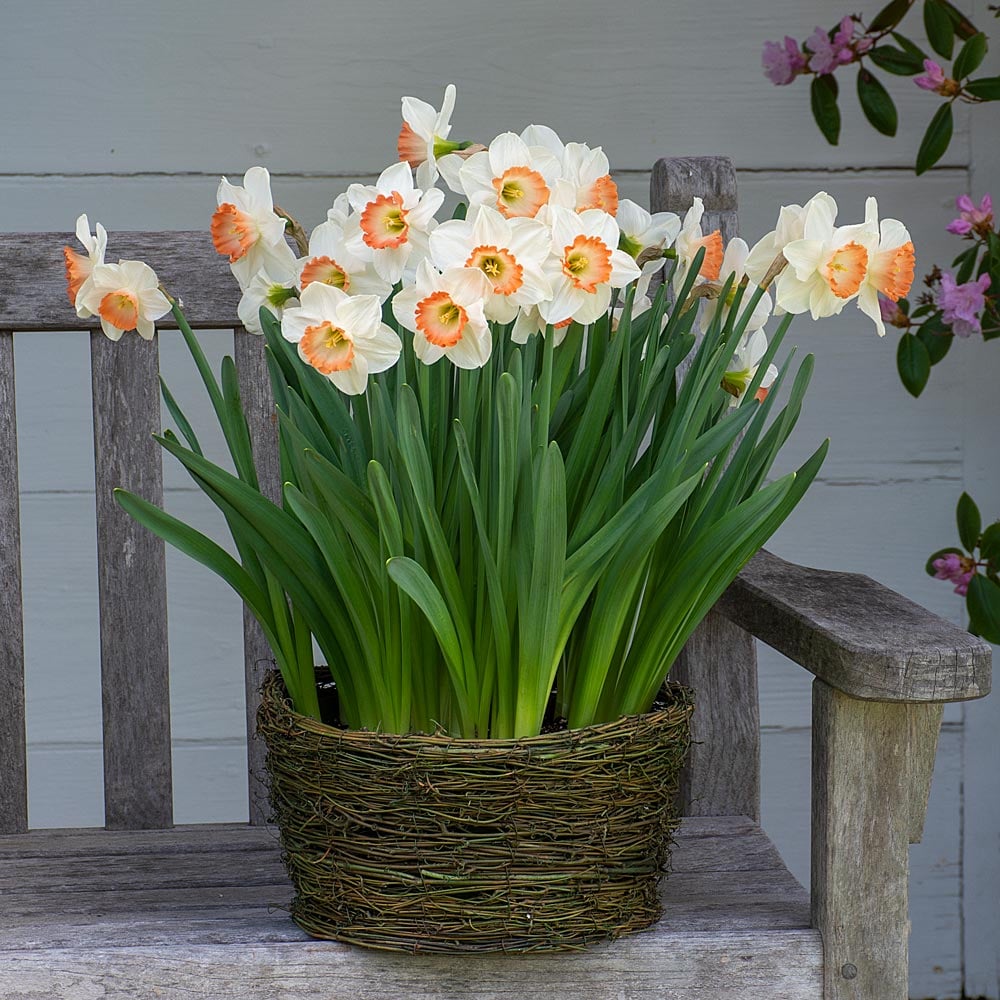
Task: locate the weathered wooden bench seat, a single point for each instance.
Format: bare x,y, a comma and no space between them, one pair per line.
144,909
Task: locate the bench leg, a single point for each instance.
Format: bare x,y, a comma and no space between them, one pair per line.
872,765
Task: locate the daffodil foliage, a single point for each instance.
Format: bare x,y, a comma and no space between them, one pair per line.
513,483
463,543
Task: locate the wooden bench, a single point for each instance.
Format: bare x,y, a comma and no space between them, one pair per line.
144,909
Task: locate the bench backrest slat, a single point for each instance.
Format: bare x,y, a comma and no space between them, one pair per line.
13,755
722,777
132,586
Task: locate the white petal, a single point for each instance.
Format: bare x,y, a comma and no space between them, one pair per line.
359,315
804,257
868,304
354,380
563,304
594,306
450,168
398,177
294,322
404,308
145,328
508,150
421,216
473,350
542,135
111,332
451,244
389,263
420,116
467,285
257,184
381,351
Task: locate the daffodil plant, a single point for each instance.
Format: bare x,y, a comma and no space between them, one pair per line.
516,474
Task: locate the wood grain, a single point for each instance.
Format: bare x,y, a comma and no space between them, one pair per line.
13,752
858,636
872,766
132,586
722,775
258,406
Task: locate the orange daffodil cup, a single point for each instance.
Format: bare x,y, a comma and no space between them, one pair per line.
490,477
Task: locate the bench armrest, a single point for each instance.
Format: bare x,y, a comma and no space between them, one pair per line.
856,635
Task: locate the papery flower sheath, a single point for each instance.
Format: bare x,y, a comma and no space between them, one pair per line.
341,336
80,268
126,296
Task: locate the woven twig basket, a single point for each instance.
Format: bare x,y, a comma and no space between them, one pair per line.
431,844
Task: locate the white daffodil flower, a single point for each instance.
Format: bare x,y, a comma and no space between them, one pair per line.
245,227
423,139
584,266
126,296
742,369
827,267
270,288
445,314
342,336
690,240
331,262
890,269
641,234
734,263
790,226
510,252
392,222
79,268
514,178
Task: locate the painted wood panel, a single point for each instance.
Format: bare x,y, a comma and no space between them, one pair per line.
234,84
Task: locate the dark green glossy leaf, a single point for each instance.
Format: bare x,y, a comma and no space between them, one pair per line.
894,60
914,364
890,15
989,544
939,27
823,97
961,25
986,88
971,57
876,103
909,46
936,139
984,608
936,338
970,521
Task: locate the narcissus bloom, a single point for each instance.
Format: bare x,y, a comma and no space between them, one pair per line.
341,336
331,262
392,221
271,289
827,267
585,265
445,314
126,296
690,240
734,263
790,226
742,369
510,252
245,227
890,267
80,268
514,178
423,139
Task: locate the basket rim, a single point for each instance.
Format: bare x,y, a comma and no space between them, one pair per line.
680,697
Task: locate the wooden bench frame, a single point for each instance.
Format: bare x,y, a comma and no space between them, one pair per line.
884,666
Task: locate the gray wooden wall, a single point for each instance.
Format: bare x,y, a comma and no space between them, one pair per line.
131,110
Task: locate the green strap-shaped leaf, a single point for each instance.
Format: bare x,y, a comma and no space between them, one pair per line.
823,98
913,363
876,103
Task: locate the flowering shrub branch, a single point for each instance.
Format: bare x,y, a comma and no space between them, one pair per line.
881,45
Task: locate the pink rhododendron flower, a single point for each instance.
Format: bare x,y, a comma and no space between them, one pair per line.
782,61
933,78
962,304
827,53
891,313
970,217
958,569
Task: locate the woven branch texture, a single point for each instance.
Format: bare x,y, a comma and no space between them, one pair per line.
424,843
